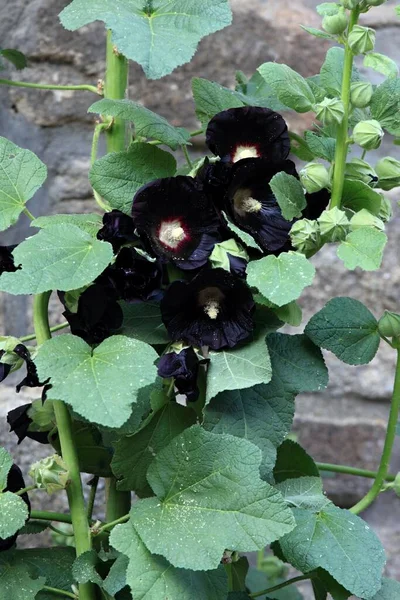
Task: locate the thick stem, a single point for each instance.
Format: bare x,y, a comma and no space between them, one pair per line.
343,129
115,89
275,588
387,448
68,450
93,156
351,471
48,86
118,503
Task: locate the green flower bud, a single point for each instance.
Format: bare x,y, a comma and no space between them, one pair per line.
386,211
334,225
362,39
335,24
375,2
368,134
389,325
361,93
388,171
366,219
330,111
314,177
305,236
50,474
350,4
362,171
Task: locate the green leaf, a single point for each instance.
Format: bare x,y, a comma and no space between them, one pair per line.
6,463
61,257
209,497
363,248
297,363
303,492
91,223
147,123
147,35
339,542
358,195
258,580
116,578
143,322
318,33
22,173
389,591
332,71
262,414
237,572
289,194
321,147
328,8
290,313
238,368
16,584
84,568
211,98
385,105
382,64
99,384
151,577
281,279
133,454
119,175
257,92
290,87
324,584
242,235
33,527
293,462
15,57
13,514
348,329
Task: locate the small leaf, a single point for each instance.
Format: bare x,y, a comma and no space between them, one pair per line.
60,257
242,235
142,321
6,463
348,329
323,584
91,223
382,64
281,279
119,175
321,147
147,123
290,87
116,578
293,462
211,98
290,313
34,527
358,195
363,248
303,492
147,35
289,194
318,33
389,591
15,57
22,173
385,105
328,9
99,384
13,514
332,71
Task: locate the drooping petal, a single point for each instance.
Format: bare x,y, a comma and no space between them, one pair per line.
19,421
118,229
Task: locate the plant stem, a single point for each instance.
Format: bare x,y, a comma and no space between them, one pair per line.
112,524
351,471
48,86
115,89
32,336
186,153
52,590
387,448
43,515
343,129
76,500
29,488
93,156
275,588
28,214
60,532
92,496
118,503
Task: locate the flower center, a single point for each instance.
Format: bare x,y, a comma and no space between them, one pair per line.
242,152
210,300
212,309
171,233
243,202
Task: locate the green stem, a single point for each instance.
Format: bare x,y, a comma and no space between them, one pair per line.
118,503
52,590
32,336
28,214
186,153
343,129
24,490
275,588
197,132
93,156
60,532
112,524
69,453
44,515
115,88
382,473
351,471
48,86
92,496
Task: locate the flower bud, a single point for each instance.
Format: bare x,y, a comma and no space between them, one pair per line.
362,39
335,24
350,4
389,325
375,2
314,177
388,171
334,225
50,474
362,171
330,111
386,211
366,219
361,93
305,236
368,134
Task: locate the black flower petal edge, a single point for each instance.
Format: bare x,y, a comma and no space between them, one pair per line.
118,229
7,260
19,422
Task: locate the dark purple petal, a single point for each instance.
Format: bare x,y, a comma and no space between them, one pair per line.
15,483
316,204
19,422
4,369
237,265
215,177
31,379
7,260
184,368
134,277
118,229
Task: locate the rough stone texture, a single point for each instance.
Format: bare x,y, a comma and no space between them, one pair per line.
345,423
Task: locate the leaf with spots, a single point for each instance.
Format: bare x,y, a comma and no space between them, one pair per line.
142,321
13,514
16,583
91,223
363,248
5,465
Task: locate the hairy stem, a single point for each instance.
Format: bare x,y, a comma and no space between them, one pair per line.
44,515
351,471
48,86
69,453
275,588
58,592
382,473
186,154
115,88
343,129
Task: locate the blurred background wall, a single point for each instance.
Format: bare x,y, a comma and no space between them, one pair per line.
344,424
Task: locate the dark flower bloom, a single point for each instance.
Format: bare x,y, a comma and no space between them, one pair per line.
4,369
248,132
19,422
238,265
184,368
316,204
15,483
118,229
214,309
177,220
7,260
215,178
31,379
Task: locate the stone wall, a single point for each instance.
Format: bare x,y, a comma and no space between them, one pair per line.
344,424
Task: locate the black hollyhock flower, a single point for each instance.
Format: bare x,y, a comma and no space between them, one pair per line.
184,368
316,204
15,483
252,206
19,422
133,277
248,132
237,265
178,221
4,369
215,177
7,260
31,379
118,229
214,309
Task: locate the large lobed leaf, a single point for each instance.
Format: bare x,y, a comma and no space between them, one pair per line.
290,87
363,248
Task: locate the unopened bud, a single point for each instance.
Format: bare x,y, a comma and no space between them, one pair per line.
375,2
362,39
368,134
334,225
389,325
362,171
361,94
50,474
314,177
330,111
366,219
305,236
388,171
335,24
350,4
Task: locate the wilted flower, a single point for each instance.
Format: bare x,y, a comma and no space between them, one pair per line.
15,483
368,134
118,229
7,260
20,421
184,368
214,309
50,474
